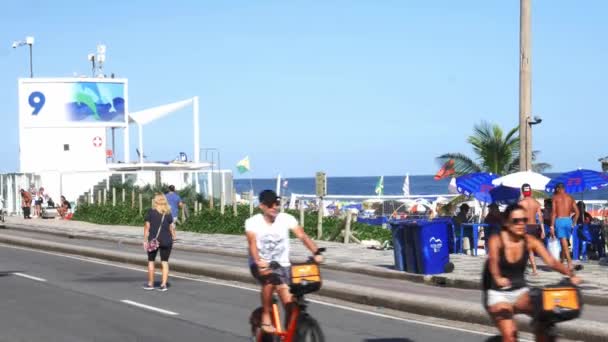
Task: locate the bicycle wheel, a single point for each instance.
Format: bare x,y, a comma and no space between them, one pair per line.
308,330
265,337
256,333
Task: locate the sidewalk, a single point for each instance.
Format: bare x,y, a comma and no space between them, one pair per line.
339,256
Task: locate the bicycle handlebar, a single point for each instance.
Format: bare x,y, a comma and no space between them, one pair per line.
274,265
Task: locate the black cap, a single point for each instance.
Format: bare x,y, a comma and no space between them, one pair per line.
559,185
268,197
526,187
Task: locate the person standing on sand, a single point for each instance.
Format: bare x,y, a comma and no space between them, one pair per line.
534,215
561,222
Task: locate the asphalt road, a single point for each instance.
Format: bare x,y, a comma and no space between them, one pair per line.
591,312
52,297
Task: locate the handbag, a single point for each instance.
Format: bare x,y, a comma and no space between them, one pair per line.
153,244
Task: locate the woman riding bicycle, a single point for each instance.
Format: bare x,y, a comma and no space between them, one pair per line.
505,292
268,239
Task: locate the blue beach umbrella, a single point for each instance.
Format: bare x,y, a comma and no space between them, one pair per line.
579,181
504,194
477,185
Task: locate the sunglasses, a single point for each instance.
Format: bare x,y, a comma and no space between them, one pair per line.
273,204
519,220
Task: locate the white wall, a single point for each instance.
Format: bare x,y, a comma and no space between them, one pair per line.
42,149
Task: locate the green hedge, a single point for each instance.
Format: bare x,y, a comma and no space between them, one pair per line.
212,222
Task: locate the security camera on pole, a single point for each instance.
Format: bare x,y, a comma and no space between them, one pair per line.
97,61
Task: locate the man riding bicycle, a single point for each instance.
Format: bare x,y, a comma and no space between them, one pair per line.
505,292
268,239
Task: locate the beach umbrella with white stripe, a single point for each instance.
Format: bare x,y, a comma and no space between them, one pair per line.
579,181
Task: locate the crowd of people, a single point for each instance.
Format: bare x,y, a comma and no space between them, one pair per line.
555,219
40,201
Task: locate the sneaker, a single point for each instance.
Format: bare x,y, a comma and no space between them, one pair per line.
162,288
147,287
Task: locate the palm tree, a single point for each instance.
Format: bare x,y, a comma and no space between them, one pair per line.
495,151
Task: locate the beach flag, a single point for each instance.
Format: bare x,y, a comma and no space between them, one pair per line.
243,166
406,185
446,170
380,186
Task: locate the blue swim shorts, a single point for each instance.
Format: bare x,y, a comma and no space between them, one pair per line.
563,227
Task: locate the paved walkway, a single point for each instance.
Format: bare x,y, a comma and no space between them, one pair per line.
350,257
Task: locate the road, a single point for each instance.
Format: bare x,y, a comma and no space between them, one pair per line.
591,312
54,297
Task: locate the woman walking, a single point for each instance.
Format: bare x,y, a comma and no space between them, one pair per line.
159,234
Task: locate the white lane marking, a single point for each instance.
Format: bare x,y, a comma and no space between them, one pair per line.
148,307
413,321
29,276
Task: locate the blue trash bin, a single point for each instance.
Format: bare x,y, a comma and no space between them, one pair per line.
422,246
398,242
433,254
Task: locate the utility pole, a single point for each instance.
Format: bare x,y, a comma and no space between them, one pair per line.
525,91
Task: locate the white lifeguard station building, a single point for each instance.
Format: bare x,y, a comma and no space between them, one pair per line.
66,142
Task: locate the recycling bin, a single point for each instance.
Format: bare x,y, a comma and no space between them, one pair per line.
398,241
423,246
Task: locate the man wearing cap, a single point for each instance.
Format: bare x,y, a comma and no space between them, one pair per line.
561,222
533,215
268,240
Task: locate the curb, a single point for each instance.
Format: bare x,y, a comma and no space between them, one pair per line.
431,280
422,305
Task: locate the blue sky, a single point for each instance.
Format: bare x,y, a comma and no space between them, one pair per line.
354,88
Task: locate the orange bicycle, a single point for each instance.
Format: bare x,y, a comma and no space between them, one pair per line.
301,326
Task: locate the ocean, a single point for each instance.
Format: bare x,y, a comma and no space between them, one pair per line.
419,185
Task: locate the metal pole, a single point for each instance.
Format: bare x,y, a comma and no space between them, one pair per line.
31,63
320,219
529,145
525,92
113,144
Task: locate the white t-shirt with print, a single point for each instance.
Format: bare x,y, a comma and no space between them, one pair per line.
272,239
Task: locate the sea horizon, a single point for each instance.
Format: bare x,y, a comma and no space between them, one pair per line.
366,185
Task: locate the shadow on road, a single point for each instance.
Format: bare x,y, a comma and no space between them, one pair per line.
10,273
390,339
114,279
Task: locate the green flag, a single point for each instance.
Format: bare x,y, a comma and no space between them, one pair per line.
380,186
243,166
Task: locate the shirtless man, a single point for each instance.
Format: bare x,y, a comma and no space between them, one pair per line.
533,211
561,222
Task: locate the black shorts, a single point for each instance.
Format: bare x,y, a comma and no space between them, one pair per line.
38,202
165,252
534,230
277,277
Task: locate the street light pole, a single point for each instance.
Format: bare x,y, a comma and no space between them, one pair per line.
30,42
31,62
525,91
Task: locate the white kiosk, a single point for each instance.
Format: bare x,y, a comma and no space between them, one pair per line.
63,143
